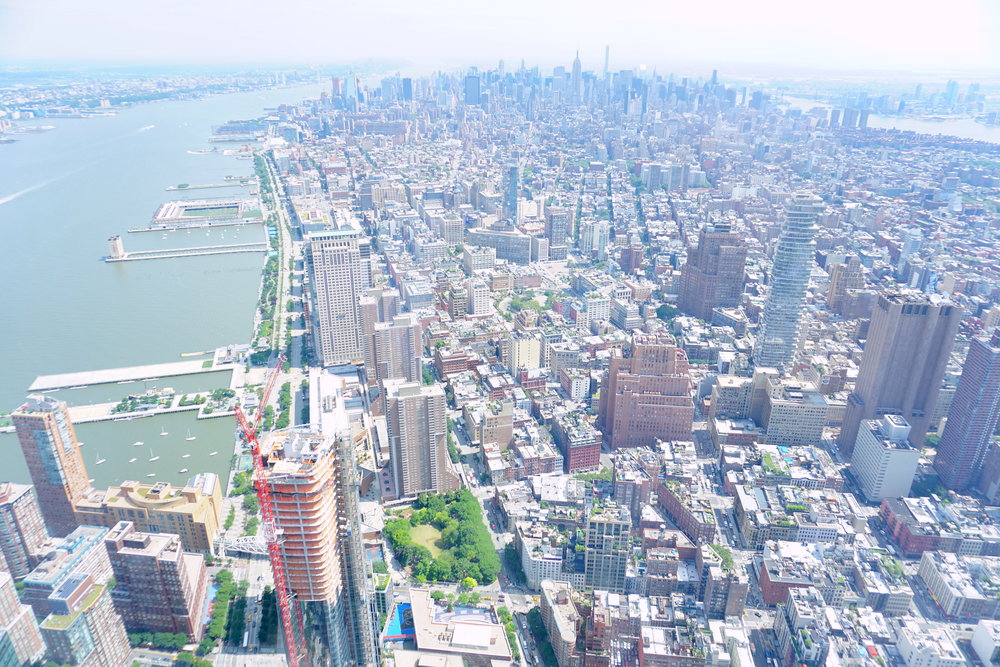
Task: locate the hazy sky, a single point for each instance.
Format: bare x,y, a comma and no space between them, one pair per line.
835,34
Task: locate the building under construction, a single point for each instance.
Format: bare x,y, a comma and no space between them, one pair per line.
313,483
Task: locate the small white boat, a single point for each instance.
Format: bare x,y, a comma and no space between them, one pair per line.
91,480
152,456
80,444
190,437
183,470
152,474
186,456
163,431
212,453
100,460
138,443
133,460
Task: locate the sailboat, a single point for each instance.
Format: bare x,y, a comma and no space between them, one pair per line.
163,431
183,470
133,460
138,443
100,460
152,474
186,456
212,453
190,437
152,456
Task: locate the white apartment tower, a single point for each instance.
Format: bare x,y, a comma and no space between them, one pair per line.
793,260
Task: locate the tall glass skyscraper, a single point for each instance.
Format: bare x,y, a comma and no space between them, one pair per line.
974,412
793,260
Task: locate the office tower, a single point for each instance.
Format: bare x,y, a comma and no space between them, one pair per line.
884,461
313,481
845,277
714,274
576,81
556,225
472,90
22,530
194,511
594,238
974,412
339,271
407,89
511,189
607,58
54,460
80,552
778,336
20,641
397,348
909,342
83,628
647,396
607,548
415,417
159,587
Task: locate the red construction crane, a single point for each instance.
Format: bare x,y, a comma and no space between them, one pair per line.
296,652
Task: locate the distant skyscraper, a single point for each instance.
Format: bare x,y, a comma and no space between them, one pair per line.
472,90
606,552
607,59
512,190
20,641
714,274
416,420
647,396
909,341
158,586
54,460
576,81
313,480
340,271
22,530
973,415
397,348
793,259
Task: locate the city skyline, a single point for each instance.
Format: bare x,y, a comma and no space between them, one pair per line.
890,35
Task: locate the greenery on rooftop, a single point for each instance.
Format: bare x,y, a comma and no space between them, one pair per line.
724,553
603,475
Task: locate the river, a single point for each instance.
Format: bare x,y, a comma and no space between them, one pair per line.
62,194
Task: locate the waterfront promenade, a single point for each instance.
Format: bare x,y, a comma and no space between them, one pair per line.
130,374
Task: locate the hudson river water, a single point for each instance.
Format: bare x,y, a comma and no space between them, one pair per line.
62,194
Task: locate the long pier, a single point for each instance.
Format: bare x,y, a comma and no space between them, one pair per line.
126,374
225,249
201,224
209,186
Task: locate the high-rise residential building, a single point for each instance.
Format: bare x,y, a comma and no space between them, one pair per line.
339,266
778,336
909,342
397,348
476,259
989,477
521,349
607,547
193,511
556,225
844,278
80,552
416,420
22,530
83,628
477,297
884,461
974,412
714,274
20,641
52,453
158,586
647,396
511,192
594,239
313,481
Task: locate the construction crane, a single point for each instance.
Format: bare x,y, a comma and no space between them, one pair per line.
296,653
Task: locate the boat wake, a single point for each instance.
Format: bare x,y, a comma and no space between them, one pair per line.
11,197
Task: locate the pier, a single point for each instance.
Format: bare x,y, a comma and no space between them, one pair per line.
225,249
209,186
127,374
235,222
